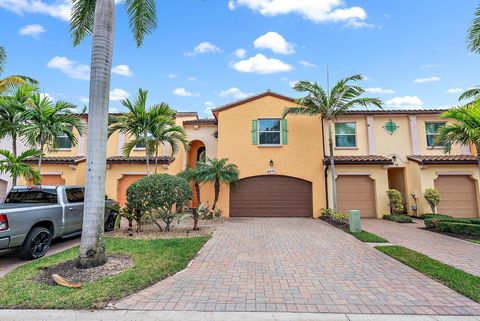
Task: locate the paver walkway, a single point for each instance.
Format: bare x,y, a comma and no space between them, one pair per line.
461,254
297,265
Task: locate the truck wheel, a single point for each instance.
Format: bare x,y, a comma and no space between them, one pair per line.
36,244
110,222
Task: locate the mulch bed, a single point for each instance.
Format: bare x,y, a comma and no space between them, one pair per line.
116,264
342,226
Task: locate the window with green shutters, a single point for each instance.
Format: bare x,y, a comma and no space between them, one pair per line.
269,132
345,135
63,142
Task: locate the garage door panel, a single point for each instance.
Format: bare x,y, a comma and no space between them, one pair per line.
356,192
458,195
271,196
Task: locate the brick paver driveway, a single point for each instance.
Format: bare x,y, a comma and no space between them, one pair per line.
297,265
461,254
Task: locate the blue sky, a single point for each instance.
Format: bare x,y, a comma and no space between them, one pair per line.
209,53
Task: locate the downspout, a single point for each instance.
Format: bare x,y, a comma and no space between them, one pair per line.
326,166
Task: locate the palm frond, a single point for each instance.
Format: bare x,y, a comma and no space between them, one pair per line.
473,37
3,58
81,20
143,18
473,93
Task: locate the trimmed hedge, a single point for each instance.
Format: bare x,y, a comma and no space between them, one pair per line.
433,222
459,228
431,215
398,218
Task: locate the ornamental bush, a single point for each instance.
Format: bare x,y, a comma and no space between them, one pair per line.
431,215
432,196
158,194
398,218
395,201
459,228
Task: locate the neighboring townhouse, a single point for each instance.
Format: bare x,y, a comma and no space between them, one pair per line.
282,162
5,178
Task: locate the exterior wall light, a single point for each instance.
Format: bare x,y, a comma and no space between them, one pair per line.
271,163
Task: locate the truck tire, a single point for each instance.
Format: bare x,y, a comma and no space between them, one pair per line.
36,244
110,222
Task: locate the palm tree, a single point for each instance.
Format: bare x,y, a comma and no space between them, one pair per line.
217,171
465,131
12,110
97,17
16,166
328,104
14,80
193,175
45,121
473,45
135,124
3,58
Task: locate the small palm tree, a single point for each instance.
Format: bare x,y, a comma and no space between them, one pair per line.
12,109
16,166
97,18
465,130
217,171
45,121
193,175
328,104
14,80
473,45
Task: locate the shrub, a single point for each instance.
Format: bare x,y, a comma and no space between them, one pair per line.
433,221
398,218
432,215
340,218
395,201
326,213
459,228
157,195
432,196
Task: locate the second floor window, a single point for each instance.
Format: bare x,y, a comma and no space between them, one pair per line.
63,142
345,135
269,131
431,131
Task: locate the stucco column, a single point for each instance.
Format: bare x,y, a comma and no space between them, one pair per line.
81,146
412,119
121,143
372,148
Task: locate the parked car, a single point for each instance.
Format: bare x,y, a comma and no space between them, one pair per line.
32,216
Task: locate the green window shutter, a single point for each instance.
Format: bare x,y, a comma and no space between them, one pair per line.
254,132
284,132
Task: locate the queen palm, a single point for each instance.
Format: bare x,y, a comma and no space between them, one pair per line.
473,45
14,80
217,171
16,166
45,121
97,17
328,104
12,110
465,130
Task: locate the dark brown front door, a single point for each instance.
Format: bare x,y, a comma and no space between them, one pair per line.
270,196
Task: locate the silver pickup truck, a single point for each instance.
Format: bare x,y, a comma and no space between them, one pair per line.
32,216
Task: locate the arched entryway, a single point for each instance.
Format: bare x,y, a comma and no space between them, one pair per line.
196,153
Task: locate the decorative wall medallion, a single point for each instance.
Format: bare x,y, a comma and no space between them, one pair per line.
390,127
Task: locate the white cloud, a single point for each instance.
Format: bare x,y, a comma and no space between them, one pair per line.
84,99
172,76
46,95
118,94
113,110
430,66
182,92
233,93
203,48
56,9
72,68
378,90
209,105
454,90
428,79
31,30
307,64
405,102
275,42
191,78
240,53
313,10
122,70
261,65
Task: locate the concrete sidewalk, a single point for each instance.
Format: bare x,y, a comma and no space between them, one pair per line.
123,315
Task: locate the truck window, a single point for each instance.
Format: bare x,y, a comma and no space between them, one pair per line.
74,195
32,197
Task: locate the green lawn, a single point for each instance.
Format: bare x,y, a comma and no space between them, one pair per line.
475,241
456,279
154,260
368,237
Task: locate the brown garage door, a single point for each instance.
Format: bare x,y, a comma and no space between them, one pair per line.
458,195
3,190
269,196
356,192
123,184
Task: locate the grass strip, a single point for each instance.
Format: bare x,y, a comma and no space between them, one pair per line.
368,237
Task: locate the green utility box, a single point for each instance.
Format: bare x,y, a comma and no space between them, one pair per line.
354,220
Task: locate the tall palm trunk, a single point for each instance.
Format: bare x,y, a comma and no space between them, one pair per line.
147,153
14,151
332,165
40,156
92,246
156,157
197,191
478,157
217,192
